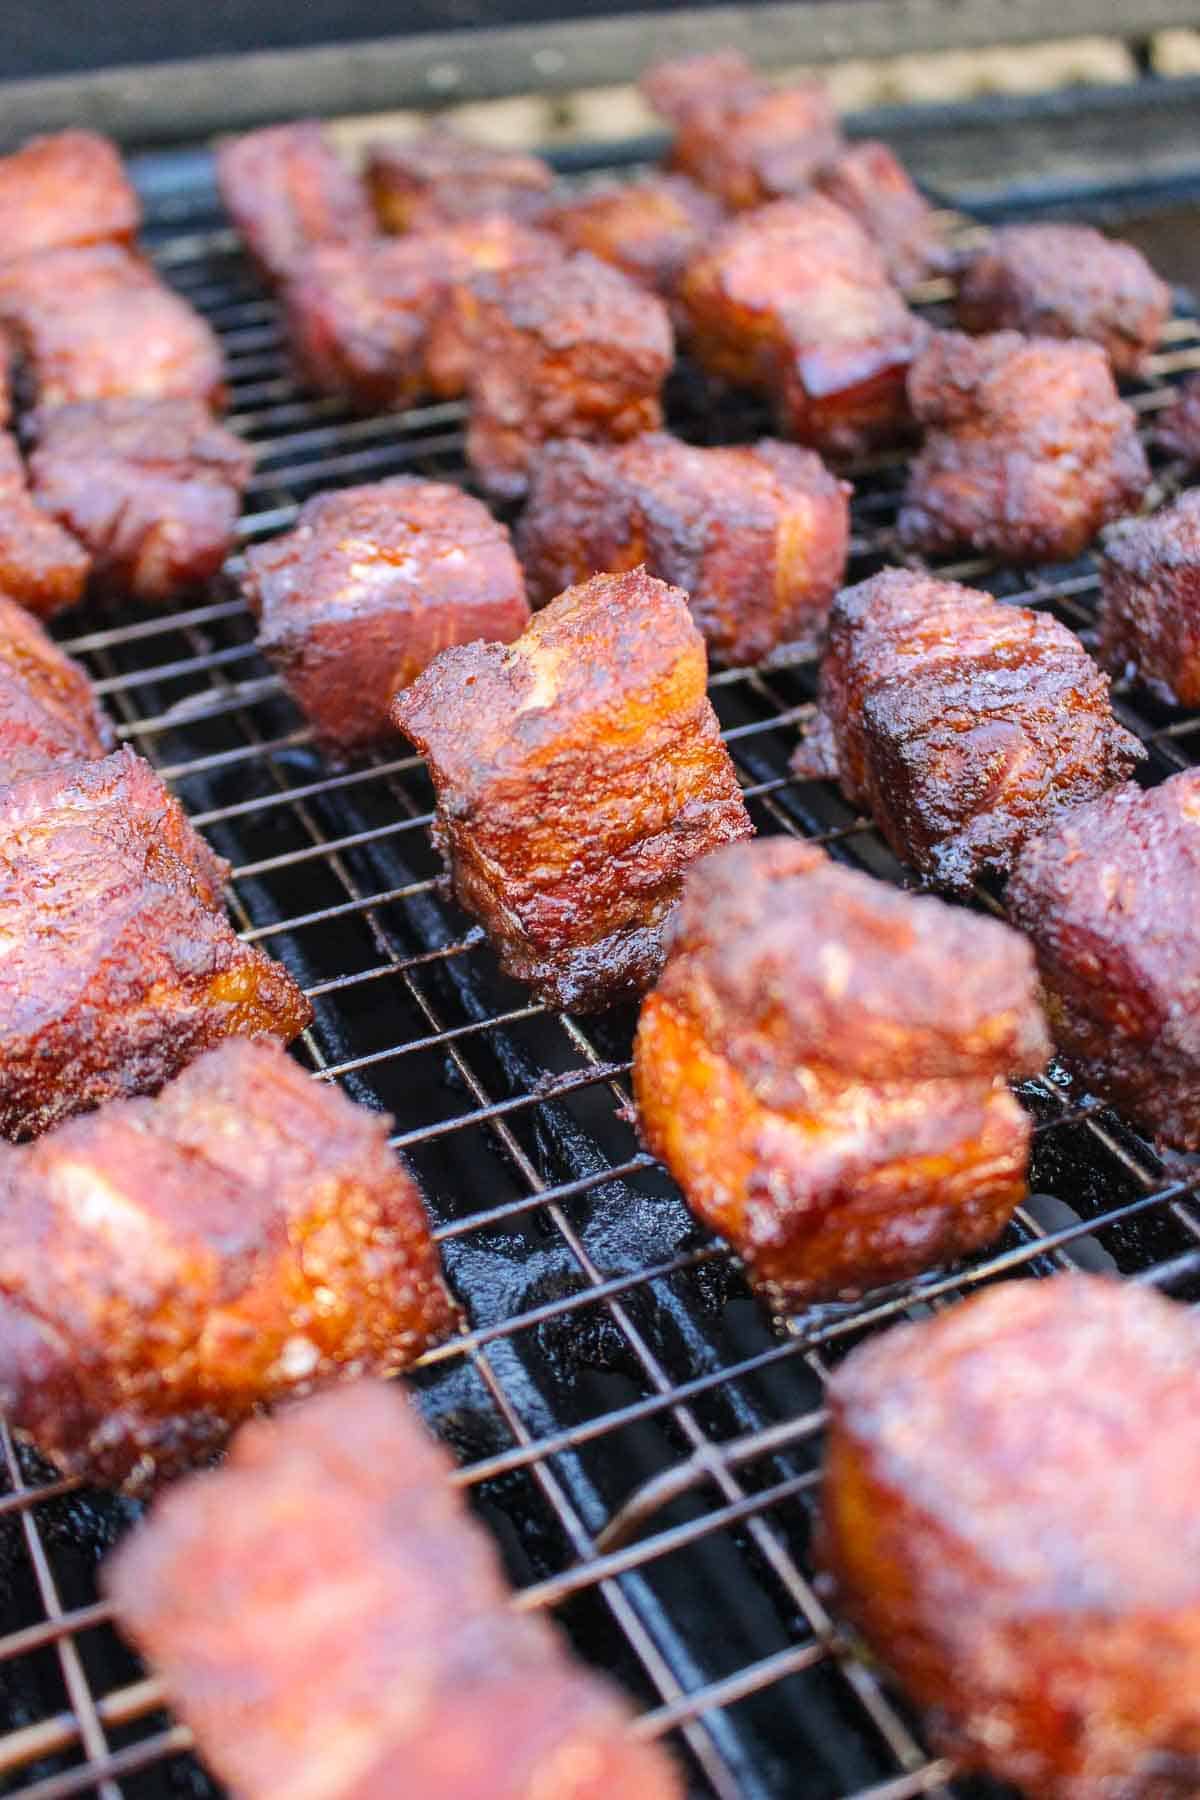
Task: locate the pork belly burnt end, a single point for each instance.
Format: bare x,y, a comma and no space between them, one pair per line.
329,1619
246,1236
48,711
795,302
123,335
151,487
960,725
752,144
368,587
441,177
578,774
713,77
1177,430
872,184
64,190
42,566
1150,601
1108,899
575,350
122,965
651,229
756,536
828,1095
1067,281
286,189
1009,1513
1028,451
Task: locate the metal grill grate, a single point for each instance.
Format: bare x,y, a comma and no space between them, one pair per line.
613,1349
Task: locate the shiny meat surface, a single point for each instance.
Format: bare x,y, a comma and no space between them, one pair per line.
441,177
98,324
1009,1514
713,77
575,350
650,228
1067,281
795,301
960,725
120,965
822,1064
871,182
334,1625
370,584
169,1265
67,189
1150,601
151,488
755,535
1028,450
750,146
578,774
48,712
42,566
1108,898
478,249
1177,427
286,189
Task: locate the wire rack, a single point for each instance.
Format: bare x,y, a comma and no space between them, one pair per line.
642,1438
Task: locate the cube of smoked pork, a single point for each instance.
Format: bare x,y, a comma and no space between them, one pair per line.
1028,449
441,177
98,324
573,350
121,965
821,1067
795,301
332,1622
368,587
1177,428
64,190
48,712
1009,1516
1150,601
286,189
578,774
960,725
151,487
756,536
711,77
167,1266
1107,896
651,229
1067,281
42,566
873,185
751,145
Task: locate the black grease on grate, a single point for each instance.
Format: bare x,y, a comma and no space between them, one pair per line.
610,1341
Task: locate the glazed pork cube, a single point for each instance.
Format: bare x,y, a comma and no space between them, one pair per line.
578,774
872,184
960,725
822,1064
42,566
60,191
1177,428
756,536
369,585
750,145
442,177
1150,601
711,77
245,1237
48,711
651,229
286,190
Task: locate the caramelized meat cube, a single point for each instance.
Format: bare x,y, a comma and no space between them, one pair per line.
287,190
246,1236
821,1067
873,185
98,324
1150,601
1178,427
1009,1514
151,487
795,301
65,190
121,965
651,229
1029,450
578,774
1067,281
369,586
441,177
749,146
478,249
756,536
48,712
714,77
41,565
960,725
575,350
331,1621
1108,898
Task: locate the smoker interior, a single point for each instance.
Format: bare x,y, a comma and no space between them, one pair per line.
613,1348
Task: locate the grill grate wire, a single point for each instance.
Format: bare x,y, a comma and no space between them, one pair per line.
641,1438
